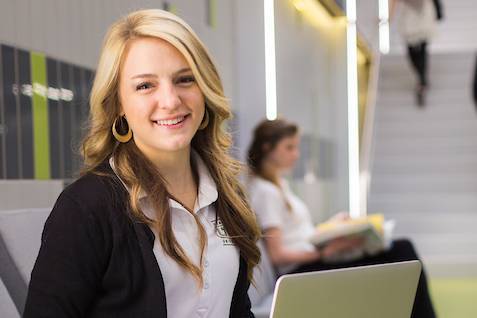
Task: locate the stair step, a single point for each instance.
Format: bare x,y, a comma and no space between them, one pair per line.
423,206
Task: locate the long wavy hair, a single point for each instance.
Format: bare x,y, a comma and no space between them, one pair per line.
212,143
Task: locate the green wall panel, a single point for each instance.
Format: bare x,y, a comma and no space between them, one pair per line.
41,148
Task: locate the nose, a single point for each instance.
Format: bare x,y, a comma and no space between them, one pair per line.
297,154
168,96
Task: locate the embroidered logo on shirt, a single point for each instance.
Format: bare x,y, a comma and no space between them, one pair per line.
221,233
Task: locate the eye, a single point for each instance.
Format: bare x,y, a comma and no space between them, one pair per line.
144,86
185,80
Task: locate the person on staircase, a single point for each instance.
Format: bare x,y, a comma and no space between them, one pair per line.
417,24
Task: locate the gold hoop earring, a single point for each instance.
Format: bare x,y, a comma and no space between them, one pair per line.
122,138
205,120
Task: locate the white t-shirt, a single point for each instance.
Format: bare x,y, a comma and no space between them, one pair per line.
221,258
268,203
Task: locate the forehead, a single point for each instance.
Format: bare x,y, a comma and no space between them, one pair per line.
147,54
291,140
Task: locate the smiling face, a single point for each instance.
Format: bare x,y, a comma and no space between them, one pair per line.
159,96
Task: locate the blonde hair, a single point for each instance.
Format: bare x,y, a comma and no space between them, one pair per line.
211,143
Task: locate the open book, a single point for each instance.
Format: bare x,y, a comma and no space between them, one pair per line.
373,228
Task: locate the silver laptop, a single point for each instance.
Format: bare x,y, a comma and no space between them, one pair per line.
376,291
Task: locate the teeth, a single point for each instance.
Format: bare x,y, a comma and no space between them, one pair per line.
170,122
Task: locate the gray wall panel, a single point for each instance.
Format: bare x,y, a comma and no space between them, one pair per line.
66,106
26,116
2,123
10,113
55,121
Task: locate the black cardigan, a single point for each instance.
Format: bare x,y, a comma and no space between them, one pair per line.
96,261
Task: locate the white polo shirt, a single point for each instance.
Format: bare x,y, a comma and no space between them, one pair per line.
221,258
268,203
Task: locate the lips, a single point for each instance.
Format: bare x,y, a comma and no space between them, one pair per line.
171,122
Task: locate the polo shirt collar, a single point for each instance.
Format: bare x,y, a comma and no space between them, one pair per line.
207,189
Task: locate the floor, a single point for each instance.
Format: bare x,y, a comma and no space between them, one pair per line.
455,297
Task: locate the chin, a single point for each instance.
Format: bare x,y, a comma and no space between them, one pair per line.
174,146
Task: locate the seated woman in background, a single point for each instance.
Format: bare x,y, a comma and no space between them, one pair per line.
286,222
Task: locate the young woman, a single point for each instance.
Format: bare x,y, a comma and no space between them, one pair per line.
285,220
157,225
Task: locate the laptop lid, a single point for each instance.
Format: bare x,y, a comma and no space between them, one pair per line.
375,291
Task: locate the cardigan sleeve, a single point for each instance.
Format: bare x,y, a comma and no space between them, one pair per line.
241,306
71,261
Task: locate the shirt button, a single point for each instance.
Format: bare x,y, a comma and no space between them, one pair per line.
206,263
206,286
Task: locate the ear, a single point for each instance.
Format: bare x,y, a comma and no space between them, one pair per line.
121,111
266,147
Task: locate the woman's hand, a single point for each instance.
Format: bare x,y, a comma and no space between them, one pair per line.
279,255
339,217
341,245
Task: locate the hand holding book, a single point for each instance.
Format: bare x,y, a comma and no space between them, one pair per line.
344,239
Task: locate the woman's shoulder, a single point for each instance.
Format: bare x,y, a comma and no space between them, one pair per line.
257,185
95,190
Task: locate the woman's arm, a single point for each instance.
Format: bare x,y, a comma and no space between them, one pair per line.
280,255
69,267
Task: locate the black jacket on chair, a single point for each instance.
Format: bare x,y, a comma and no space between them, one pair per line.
95,260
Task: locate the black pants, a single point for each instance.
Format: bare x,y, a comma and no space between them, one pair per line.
418,57
401,250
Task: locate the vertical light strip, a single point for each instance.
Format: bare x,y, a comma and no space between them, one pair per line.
384,44
270,66
353,119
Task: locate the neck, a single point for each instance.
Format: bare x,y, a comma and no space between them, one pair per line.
175,168
272,172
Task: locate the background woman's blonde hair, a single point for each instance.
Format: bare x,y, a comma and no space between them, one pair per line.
211,143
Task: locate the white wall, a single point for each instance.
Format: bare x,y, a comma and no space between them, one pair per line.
311,91
73,30
249,68
27,194
368,21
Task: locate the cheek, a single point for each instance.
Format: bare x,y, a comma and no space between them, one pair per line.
281,157
195,99
136,109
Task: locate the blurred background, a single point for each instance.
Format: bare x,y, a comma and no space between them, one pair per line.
340,70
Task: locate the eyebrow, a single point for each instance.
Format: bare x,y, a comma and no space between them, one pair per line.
182,70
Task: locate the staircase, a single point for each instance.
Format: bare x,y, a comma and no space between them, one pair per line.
424,170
